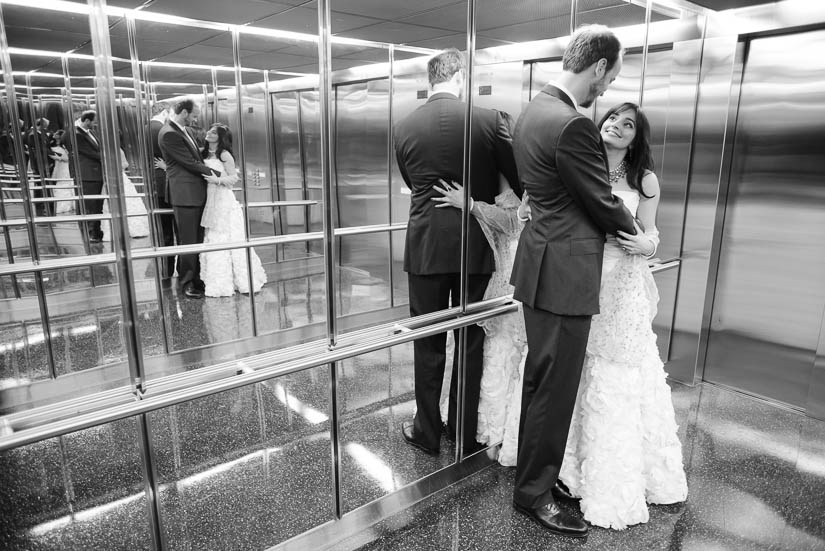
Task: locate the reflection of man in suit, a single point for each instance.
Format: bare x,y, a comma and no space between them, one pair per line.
91,170
186,190
160,115
42,164
557,269
429,146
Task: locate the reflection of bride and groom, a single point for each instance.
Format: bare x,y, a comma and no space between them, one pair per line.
200,189
583,411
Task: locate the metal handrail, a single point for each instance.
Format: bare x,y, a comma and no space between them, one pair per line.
145,404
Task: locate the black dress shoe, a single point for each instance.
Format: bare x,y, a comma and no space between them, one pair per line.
408,430
561,491
191,292
555,519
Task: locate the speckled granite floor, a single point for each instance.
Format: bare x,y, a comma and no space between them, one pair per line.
756,476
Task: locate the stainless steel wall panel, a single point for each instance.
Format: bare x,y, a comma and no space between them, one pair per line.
257,179
770,296
501,87
815,406
700,213
666,281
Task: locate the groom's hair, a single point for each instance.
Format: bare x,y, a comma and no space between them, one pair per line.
187,104
589,44
442,67
88,115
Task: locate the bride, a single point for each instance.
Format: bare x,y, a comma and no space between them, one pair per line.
137,216
622,450
224,272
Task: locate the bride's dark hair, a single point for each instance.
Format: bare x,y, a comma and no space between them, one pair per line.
224,141
638,157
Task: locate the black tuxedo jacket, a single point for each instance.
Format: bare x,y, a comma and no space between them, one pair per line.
562,164
429,144
42,157
88,156
184,168
160,174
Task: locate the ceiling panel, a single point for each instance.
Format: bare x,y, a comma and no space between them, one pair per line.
277,61
201,55
385,9
395,32
235,11
531,30
720,5
305,20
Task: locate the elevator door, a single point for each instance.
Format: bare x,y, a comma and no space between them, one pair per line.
770,295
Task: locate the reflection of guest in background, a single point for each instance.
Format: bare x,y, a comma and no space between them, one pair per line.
187,190
61,175
41,164
7,146
166,238
91,170
428,146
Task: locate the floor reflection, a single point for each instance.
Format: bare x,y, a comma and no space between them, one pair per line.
756,476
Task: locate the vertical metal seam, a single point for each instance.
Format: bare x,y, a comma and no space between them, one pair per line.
645,46
151,97
461,344
241,168
324,94
150,482
270,146
5,64
390,151
574,7
104,95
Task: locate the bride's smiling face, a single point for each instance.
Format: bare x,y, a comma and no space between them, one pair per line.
619,129
212,135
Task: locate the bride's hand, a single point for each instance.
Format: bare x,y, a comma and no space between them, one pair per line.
211,179
453,193
525,213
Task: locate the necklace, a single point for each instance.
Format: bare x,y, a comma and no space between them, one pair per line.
617,173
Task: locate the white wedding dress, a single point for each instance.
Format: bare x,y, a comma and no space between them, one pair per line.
505,343
623,450
224,272
136,214
63,182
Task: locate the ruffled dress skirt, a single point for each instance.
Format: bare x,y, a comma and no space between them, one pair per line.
623,450
224,272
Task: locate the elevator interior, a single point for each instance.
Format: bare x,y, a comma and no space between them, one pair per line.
120,399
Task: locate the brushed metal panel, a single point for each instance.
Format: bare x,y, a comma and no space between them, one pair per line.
769,296
700,212
257,179
815,406
501,83
666,281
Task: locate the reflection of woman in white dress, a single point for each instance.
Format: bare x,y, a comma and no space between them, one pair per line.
224,272
623,450
61,176
505,343
137,215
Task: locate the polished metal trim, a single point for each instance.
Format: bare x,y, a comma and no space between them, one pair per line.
8,80
723,186
327,164
377,228
243,378
327,535
113,175
662,266
298,203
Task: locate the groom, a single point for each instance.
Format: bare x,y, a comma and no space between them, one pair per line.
186,190
557,269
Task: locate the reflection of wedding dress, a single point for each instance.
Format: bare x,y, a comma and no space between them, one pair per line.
505,343
63,182
224,272
137,215
623,450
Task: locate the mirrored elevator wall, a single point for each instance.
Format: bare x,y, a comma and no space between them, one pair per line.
765,329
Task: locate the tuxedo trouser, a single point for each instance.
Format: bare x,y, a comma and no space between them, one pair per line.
190,231
555,355
93,206
166,238
431,293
